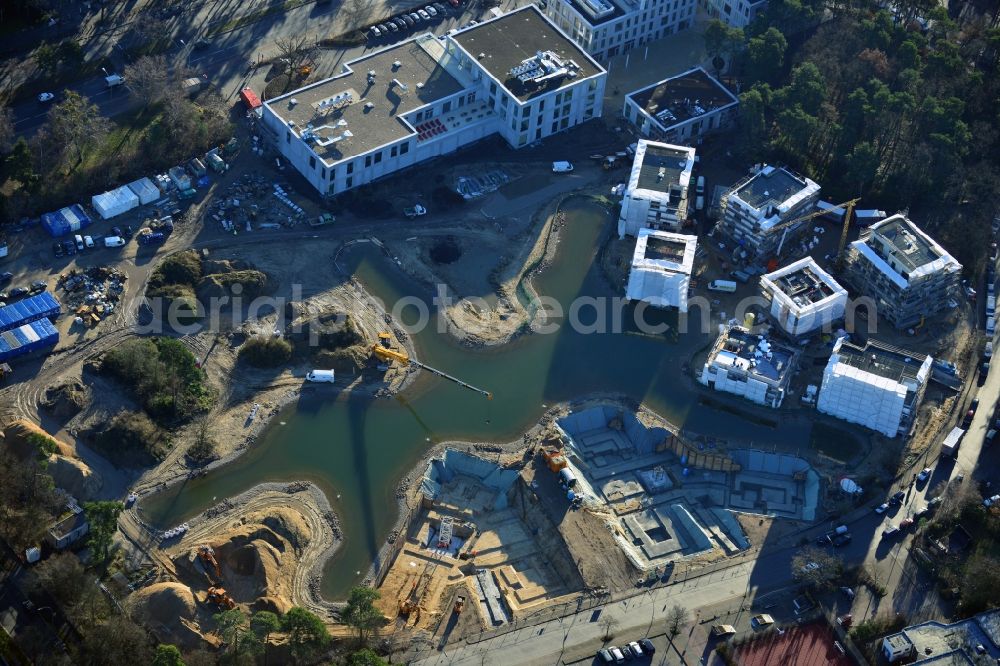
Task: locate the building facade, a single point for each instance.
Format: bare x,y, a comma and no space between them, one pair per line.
681,109
515,75
903,270
757,213
656,195
804,298
877,385
750,366
737,13
606,28
661,269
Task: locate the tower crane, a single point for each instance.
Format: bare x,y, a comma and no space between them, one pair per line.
848,207
384,352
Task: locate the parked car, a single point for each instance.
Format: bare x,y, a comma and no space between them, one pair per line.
842,540
991,435
925,474
114,241
116,231
392,26
984,372
974,405
906,522
617,654
57,249
441,9
70,247
431,11
647,646
934,503
921,512
375,32
45,97
16,293
723,630
408,20
39,286
88,241
128,232
890,531
882,508
967,421
898,497
761,620
424,15
605,656
6,277
561,167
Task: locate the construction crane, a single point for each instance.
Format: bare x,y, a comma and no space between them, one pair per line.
848,207
384,352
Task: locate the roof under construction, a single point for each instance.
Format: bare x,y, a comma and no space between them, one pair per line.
683,97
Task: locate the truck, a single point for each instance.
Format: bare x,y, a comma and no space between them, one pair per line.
950,446
150,237
321,376
191,86
727,286
114,80
415,210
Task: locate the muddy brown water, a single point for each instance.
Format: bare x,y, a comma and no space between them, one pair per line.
357,449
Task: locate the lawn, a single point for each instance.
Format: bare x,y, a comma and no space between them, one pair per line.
834,442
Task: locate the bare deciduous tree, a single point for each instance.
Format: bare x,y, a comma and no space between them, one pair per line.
356,12
6,129
76,123
294,51
610,624
677,617
147,79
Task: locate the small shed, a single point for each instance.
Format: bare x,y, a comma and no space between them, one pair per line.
68,529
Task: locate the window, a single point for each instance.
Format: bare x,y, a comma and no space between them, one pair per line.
368,160
349,182
555,126
446,107
538,133
541,106
322,173
405,148
471,98
564,123
393,151
378,157
288,137
350,169
493,89
524,125
312,161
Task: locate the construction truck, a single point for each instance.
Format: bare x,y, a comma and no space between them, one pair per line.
555,460
207,556
219,597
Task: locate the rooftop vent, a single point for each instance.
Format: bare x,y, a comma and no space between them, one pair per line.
292,102
396,65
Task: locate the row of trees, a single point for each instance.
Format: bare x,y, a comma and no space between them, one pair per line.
900,108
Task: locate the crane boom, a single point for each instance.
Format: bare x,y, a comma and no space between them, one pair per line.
848,206
385,353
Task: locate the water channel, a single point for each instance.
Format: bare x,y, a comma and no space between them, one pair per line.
356,448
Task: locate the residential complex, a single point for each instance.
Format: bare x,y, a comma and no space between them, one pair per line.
804,297
682,108
758,213
903,270
750,366
737,13
877,385
606,28
975,640
516,75
661,269
656,196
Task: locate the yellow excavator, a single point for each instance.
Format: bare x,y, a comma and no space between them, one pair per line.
384,351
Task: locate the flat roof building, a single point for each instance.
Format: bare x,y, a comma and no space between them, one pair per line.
661,269
656,196
804,297
975,640
755,211
515,75
737,13
906,273
606,28
749,365
682,108
878,386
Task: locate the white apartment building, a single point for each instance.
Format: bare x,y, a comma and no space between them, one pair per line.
681,109
737,13
750,366
903,270
877,386
756,212
656,195
606,28
661,269
804,297
516,75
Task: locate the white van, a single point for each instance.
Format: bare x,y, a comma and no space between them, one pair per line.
88,241
699,202
561,167
700,187
722,285
326,376
78,239
991,325
114,241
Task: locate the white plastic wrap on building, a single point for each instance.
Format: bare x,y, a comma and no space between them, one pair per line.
114,203
658,288
145,190
860,397
741,384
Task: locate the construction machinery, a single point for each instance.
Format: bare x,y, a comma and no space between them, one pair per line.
207,556
383,351
221,598
555,460
848,207
459,604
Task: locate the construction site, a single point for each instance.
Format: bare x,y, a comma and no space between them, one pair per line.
599,500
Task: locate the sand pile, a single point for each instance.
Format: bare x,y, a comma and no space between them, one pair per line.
18,432
75,477
169,609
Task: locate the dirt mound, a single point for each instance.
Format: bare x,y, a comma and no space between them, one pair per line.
169,610
285,522
276,605
214,266
17,437
65,400
252,284
75,477
348,361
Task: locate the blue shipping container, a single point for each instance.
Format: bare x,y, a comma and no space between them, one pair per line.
41,306
64,221
28,338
